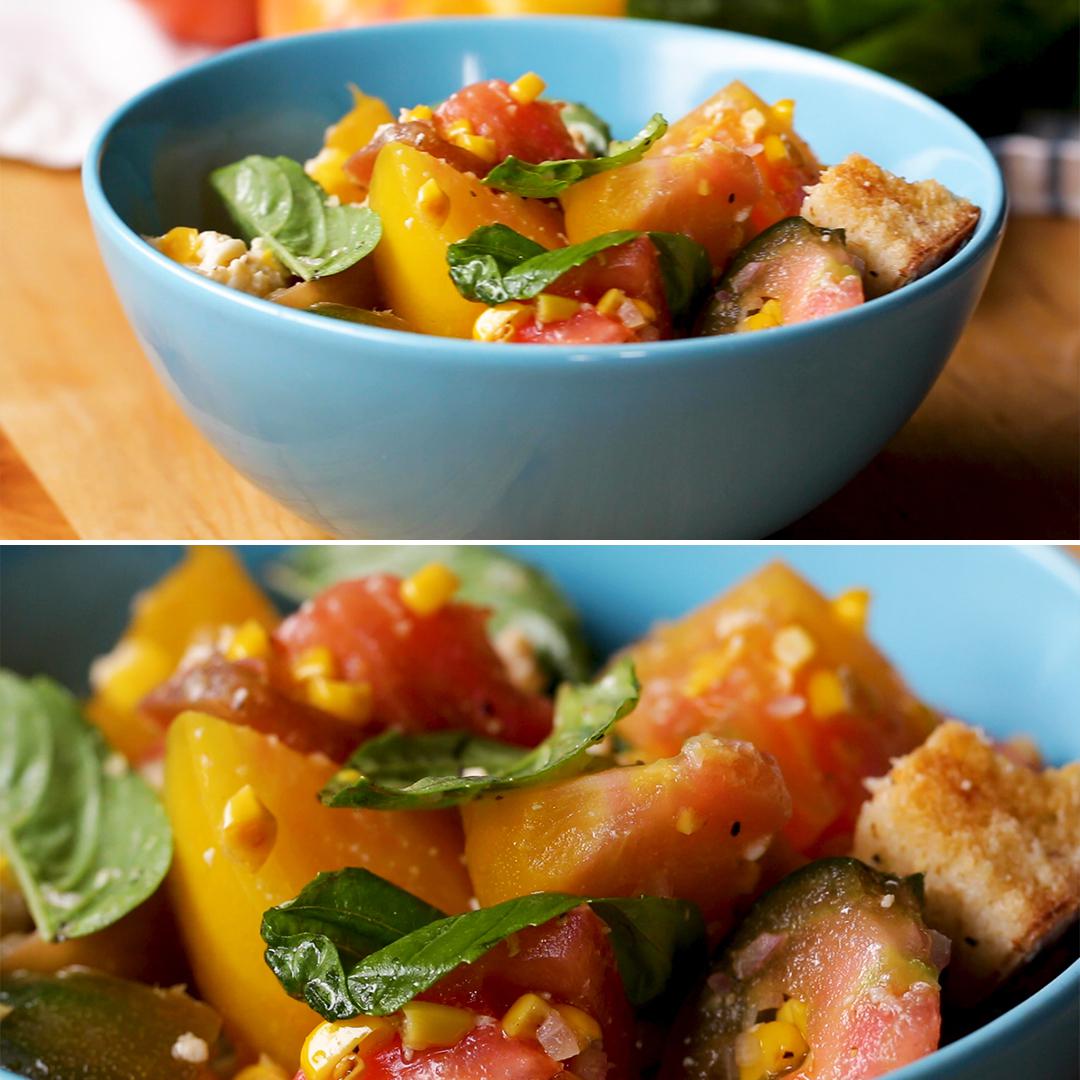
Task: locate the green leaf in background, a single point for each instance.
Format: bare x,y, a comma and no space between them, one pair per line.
548,179
86,837
312,235
337,920
423,772
523,601
648,934
590,129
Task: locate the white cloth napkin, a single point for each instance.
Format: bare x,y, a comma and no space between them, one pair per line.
67,64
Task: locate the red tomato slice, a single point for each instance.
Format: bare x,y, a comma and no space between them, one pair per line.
532,132
426,673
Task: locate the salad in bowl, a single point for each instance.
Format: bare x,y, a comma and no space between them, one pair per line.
408,832
504,215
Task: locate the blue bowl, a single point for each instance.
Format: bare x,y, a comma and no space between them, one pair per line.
375,433
990,634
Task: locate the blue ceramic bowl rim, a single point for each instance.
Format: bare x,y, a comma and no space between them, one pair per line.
1057,993
425,348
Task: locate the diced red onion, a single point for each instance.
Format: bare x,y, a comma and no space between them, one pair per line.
752,958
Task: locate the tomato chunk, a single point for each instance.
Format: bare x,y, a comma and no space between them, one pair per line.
774,662
426,672
832,976
532,132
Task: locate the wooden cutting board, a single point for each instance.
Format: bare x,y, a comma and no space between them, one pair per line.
94,448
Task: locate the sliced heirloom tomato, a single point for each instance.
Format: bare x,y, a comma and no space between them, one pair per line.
547,1003
249,832
832,976
775,663
426,672
793,272
692,827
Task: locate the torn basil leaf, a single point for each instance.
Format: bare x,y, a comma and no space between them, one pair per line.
549,179
588,129
87,839
318,944
422,772
313,235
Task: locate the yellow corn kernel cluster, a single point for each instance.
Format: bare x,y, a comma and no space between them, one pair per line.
499,323
528,88
610,302
248,829
826,694
688,821
793,1011
523,1019
784,112
793,646
333,1042
316,670
427,1024
852,608
769,1050
316,661
769,316
421,114
432,202
431,588
461,133
249,641
775,149
551,308
181,244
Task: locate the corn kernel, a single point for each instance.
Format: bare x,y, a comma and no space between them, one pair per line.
769,1049
852,608
432,202
421,114
528,88
459,127
499,323
264,1069
769,316
704,188
793,646
784,111
610,302
331,1042
345,700
648,312
523,1019
552,308
793,1011
181,244
775,150
430,588
427,1024
698,136
248,829
826,694
688,821
581,1024
250,641
480,145
316,661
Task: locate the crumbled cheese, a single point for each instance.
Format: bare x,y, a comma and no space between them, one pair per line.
189,1047
229,261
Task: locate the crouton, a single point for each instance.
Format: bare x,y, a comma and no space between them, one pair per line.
901,230
998,843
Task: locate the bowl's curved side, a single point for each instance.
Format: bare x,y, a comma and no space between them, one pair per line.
372,433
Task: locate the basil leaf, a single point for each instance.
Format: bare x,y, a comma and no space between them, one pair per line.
549,179
687,272
494,264
590,129
523,601
86,837
310,234
398,772
337,920
648,934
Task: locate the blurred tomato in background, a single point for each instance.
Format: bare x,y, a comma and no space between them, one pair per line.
209,22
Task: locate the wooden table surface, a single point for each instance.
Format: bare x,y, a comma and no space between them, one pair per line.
92,446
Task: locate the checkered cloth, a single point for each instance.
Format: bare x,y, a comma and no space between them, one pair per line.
1042,165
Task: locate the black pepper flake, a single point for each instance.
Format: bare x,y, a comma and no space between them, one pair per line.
788,1054
876,857
731,197
872,273
736,828
973,942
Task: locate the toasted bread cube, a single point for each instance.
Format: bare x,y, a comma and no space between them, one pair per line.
901,230
997,841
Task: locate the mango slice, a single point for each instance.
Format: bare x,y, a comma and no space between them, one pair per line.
220,899
410,261
342,140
